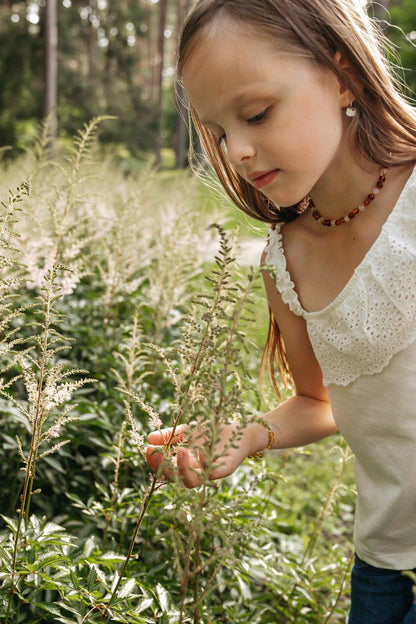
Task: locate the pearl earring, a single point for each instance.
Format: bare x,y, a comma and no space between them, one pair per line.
351,111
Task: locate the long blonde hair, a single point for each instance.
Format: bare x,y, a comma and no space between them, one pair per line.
384,129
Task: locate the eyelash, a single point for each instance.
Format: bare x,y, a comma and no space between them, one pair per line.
256,119
260,117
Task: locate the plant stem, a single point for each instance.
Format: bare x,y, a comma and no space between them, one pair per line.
224,278
114,485
322,518
185,580
341,587
144,506
196,579
324,512
26,496
196,362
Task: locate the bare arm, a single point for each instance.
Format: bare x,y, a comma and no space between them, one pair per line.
302,419
298,421
307,416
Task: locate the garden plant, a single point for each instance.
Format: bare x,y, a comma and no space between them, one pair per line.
123,309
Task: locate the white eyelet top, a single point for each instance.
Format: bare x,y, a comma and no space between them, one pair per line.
373,316
364,341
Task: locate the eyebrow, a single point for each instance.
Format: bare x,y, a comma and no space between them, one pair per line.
249,93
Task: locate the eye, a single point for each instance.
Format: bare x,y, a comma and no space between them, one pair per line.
260,117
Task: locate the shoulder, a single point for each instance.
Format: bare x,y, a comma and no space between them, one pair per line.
284,242
304,367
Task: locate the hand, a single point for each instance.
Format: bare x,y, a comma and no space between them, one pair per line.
189,463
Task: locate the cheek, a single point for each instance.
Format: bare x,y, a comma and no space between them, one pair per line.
306,122
322,132
309,129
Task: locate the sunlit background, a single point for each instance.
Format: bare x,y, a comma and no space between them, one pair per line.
95,57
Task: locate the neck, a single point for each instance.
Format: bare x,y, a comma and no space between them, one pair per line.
340,191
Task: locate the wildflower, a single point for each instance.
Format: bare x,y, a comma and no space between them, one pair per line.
137,439
55,396
31,385
54,431
69,282
155,420
27,187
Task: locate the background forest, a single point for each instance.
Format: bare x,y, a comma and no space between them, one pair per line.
83,58
128,302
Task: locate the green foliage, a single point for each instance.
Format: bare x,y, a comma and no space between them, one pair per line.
21,59
403,16
112,275
105,67
107,60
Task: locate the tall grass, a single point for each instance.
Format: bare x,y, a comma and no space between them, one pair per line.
117,320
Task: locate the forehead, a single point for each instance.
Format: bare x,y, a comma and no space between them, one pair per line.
225,55
222,42
231,62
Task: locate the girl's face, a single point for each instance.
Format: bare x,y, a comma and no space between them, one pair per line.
279,117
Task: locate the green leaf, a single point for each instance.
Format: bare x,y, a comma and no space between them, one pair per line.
127,589
47,607
49,558
163,597
100,574
12,524
145,604
112,557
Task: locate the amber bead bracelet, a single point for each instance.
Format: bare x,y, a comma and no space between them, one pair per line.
269,446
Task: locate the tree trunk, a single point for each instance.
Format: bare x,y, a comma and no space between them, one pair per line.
380,11
181,130
160,58
51,82
91,42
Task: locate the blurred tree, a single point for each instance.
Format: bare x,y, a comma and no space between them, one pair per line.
21,67
117,58
403,34
160,66
51,62
380,11
103,68
181,134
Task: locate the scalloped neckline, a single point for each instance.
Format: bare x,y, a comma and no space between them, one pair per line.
372,250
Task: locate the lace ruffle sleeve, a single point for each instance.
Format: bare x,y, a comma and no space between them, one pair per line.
276,259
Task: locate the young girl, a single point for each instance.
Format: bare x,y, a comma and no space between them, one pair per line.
301,119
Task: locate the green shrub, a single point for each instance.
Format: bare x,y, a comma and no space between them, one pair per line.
118,319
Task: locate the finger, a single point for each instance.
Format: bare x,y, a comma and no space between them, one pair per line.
164,436
221,469
189,468
217,468
159,463
154,458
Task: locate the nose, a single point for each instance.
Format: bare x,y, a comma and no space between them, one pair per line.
238,149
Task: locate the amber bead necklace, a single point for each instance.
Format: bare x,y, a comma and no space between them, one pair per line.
348,217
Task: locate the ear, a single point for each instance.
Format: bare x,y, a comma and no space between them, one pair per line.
346,93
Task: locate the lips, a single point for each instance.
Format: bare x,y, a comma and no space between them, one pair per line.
263,178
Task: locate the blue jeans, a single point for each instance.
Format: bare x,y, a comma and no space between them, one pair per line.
380,596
